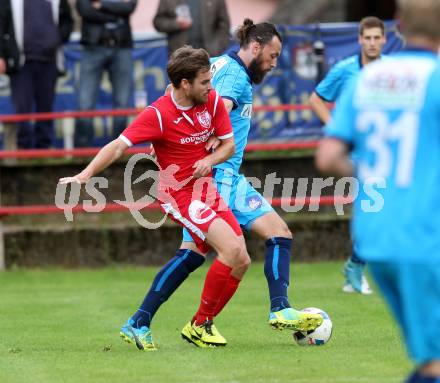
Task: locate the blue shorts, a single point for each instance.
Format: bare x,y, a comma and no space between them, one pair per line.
245,202
413,293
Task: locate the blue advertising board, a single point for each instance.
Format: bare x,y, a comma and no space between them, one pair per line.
292,82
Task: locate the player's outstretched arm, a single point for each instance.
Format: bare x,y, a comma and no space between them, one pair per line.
332,157
105,157
320,107
224,151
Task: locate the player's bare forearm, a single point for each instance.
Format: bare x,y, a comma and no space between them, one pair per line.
203,167
320,107
224,151
212,143
105,157
332,158
228,104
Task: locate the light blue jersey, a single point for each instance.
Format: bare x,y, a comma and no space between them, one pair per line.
390,115
338,78
232,80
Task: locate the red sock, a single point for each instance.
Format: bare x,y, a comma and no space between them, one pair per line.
227,293
215,282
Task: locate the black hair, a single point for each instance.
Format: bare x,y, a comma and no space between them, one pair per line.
262,33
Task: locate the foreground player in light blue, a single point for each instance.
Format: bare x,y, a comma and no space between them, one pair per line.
371,40
390,118
232,77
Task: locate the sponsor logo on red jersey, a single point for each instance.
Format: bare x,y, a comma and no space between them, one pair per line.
204,118
200,212
197,138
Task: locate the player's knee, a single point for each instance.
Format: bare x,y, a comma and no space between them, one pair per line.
283,231
238,254
235,249
245,260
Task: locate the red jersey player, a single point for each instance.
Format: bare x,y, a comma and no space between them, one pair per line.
179,134
178,125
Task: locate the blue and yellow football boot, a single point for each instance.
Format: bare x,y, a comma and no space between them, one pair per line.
292,319
140,337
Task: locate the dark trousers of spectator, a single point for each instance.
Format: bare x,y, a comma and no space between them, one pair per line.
119,64
33,90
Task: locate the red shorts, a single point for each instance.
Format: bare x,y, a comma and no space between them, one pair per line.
197,211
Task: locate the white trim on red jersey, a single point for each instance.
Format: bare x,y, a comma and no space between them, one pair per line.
126,140
188,118
188,224
226,136
215,103
159,116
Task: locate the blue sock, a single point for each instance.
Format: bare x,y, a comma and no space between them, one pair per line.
276,270
418,378
167,280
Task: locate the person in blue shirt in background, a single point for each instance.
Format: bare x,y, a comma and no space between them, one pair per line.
232,77
389,118
371,39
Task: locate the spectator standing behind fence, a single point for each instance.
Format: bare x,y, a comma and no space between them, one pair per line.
107,40
199,23
31,35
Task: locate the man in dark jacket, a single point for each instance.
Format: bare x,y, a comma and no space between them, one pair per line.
106,37
200,23
31,35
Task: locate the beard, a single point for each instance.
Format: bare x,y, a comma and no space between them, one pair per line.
257,73
198,99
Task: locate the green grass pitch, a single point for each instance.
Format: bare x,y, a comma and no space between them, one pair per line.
63,326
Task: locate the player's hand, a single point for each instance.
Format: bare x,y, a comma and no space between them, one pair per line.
183,22
202,168
212,144
2,66
78,179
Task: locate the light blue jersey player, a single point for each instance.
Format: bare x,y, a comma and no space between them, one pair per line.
338,78
329,90
233,81
390,118
232,76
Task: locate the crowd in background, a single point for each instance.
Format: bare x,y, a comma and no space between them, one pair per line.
32,33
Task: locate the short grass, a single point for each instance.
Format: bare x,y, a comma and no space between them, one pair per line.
62,326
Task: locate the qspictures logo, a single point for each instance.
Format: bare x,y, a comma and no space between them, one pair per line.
306,195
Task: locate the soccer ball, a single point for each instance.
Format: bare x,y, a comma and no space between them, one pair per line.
320,335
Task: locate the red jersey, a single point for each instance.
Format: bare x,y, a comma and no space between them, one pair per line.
179,134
